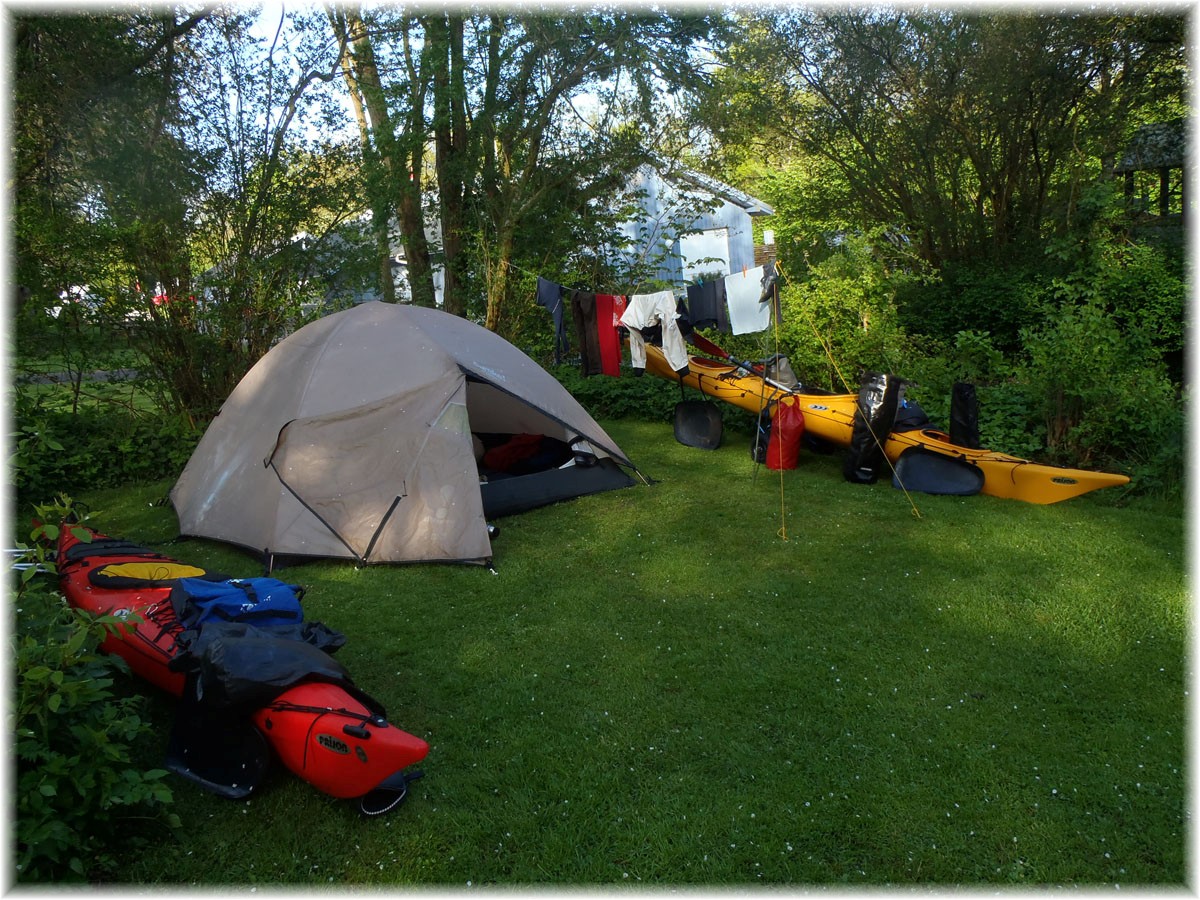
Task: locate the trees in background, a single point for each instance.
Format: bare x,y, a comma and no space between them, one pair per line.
946,208
972,135
160,170
191,168
101,177
205,181
97,159
388,90
532,120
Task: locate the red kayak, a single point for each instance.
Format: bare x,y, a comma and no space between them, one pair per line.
330,734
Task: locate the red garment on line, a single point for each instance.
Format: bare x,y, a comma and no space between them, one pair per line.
609,309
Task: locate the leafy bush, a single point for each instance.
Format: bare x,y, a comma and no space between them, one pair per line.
1008,420
1144,290
1103,392
77,787
984,296
842,318
644,398
1009,414
57,451
628,397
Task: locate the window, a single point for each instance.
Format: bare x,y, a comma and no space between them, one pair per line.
706,252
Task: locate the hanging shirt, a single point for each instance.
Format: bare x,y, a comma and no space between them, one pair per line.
742,292
597,317
647,311
583,311
550,295
706,305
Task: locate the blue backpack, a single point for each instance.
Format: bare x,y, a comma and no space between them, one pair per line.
255,601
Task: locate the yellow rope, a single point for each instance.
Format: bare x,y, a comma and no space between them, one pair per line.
782,532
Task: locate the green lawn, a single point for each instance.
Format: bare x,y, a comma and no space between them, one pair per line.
655,687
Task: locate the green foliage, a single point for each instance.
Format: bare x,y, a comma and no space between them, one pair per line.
1009,418
1084,386
645,398
1089,388
55,450
973,134
998,299
628,397
1147,288
1101,360
1009,421
1141,286
807,219
78,790
842,317
1102,391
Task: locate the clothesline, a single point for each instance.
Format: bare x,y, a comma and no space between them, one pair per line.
734,304
746,272
521,270
740,303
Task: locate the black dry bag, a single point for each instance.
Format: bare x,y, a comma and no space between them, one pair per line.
964,416
879,396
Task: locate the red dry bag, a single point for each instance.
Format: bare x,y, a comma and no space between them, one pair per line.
787,431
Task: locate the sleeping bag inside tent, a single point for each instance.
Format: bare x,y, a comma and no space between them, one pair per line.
388,433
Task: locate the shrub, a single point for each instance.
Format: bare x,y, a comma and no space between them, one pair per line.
57,451
842,318
1009,414
985,296
1145,290
1104,393
77,789
628,397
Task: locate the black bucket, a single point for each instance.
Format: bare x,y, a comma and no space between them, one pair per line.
698,424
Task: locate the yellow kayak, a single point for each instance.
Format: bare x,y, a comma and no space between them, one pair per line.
831,418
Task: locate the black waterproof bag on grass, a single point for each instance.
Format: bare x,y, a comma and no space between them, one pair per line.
879,397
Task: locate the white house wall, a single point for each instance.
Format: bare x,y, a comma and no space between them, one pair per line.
740,235
653,232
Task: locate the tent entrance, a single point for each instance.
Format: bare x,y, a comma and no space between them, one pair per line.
508,496
526,458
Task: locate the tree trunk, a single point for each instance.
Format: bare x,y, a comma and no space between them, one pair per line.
399,159
497,288
450,145
376,196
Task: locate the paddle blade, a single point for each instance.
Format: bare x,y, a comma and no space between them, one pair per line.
934,473
700,342
698,424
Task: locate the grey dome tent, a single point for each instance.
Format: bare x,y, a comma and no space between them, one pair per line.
359,437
